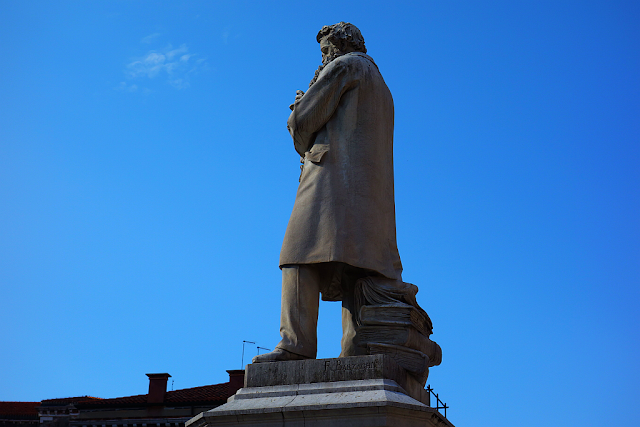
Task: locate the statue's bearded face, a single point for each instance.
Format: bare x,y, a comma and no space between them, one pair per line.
329,51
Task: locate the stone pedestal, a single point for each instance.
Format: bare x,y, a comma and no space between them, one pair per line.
352,391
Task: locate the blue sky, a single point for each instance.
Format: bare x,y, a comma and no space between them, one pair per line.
147,177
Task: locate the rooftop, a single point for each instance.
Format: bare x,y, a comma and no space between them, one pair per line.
202,394
19,409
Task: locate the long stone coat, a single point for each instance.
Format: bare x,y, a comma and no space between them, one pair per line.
344,208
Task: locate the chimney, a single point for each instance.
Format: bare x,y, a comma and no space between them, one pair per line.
157,388
236,380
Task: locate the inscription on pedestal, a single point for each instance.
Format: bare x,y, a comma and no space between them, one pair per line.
347,365
324,370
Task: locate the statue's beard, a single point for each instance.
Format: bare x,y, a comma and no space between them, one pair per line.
326,60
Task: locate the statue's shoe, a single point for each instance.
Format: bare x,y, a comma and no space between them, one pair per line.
277,355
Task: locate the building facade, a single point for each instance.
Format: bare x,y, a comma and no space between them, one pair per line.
157,408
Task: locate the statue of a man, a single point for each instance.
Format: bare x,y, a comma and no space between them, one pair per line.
342,227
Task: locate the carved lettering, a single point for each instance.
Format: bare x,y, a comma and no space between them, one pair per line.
340,365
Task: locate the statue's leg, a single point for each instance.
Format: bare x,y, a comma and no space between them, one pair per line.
349,327
299,311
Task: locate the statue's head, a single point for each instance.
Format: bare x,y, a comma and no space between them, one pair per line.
336,40
340,38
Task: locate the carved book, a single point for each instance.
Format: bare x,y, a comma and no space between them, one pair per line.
405,336
396,315
413,361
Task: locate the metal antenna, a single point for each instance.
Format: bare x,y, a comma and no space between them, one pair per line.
243,342
268,349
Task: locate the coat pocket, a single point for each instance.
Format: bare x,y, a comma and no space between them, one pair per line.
316,153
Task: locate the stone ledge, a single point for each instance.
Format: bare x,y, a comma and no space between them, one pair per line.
348,394
351,417
361,391
316,388
312,371
348,403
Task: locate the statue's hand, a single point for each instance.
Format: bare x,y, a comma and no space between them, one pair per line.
299,95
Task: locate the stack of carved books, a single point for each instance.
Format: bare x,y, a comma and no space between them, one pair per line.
402,332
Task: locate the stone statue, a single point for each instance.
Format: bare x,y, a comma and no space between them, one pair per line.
341,237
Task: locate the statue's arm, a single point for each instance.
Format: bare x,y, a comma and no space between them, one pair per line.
313,110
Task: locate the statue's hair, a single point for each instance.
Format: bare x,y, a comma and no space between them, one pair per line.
343,34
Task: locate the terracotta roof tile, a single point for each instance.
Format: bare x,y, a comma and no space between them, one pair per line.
116,401
19,409
186,396
207,393
68,400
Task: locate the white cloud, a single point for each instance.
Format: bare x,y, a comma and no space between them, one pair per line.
154,58
176,64
181,50
179,83
150,38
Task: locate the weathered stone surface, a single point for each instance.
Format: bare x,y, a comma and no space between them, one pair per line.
330,370
344,403
343,129
390,321
341,242
320,370
342,226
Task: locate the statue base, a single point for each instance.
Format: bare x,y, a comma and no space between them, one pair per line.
351,391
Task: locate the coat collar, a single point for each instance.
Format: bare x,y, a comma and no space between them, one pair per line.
364,55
